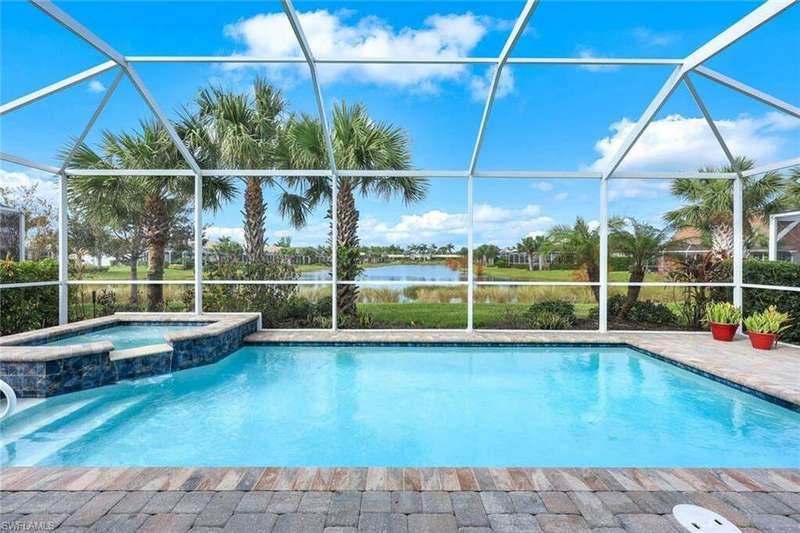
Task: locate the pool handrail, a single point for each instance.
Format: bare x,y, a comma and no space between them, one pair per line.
11,399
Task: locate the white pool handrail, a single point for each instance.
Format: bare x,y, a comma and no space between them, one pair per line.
11,399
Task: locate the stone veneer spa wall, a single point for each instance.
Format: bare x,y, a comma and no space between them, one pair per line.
35,370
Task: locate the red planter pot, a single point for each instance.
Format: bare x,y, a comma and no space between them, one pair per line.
762,341
723,332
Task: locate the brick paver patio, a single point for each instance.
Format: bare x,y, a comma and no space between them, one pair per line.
350,500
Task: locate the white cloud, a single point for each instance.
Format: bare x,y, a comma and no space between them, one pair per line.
493,223
96,86
678,143
313,234
215,233
333,34
504,226
479,85
647,37
561,196
433,225
589,53
646,189
545,186
46,185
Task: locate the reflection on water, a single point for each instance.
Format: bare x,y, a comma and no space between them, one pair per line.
411,273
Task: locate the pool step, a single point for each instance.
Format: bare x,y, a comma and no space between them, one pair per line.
24,423
33,451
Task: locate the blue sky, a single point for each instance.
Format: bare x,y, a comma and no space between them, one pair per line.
545,118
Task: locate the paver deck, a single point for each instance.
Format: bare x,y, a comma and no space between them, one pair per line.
392,499
775,372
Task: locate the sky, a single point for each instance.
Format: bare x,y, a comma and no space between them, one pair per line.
545,118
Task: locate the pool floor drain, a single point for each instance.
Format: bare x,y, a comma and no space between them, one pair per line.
700,519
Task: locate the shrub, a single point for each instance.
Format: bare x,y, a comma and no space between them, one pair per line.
548,314
512,319
106,301
652,313
501,263
620,263
28,308
780,273
645,311
550,320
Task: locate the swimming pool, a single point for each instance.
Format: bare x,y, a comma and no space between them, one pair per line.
411,406
127,336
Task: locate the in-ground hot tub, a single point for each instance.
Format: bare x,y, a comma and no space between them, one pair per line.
122,346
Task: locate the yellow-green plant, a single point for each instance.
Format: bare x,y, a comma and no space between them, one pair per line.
769,321
722,313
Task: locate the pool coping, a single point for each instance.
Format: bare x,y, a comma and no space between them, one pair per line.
772,381
447,479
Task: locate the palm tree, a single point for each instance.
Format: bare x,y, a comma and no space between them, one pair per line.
359,143
241,131
533,245
581,242
112,206
642,243
487,253
710,205
162,200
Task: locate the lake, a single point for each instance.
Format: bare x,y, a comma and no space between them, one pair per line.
410,273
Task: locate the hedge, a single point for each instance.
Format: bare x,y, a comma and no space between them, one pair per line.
28,308
774,273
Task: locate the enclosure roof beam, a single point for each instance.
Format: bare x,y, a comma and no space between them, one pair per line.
793,224
710,121
243,59
92,120
84,33
760,15
753,20
513,37
432,174
649,113
22,101
294,21
763,97
780,165
166,172
28,163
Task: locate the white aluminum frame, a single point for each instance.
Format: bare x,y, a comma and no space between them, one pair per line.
693,63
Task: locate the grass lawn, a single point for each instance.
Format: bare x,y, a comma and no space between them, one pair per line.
523,274
123,273
447,315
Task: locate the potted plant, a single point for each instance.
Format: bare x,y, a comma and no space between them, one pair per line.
723,318
765,327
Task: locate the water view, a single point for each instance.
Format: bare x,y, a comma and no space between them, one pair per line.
410,273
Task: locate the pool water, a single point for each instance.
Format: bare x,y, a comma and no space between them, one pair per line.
124,337
411,406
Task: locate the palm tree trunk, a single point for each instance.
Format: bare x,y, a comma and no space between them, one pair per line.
347,248
156,236
255,216
530,261
637,276
134,290
593,273
721,240
541,261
